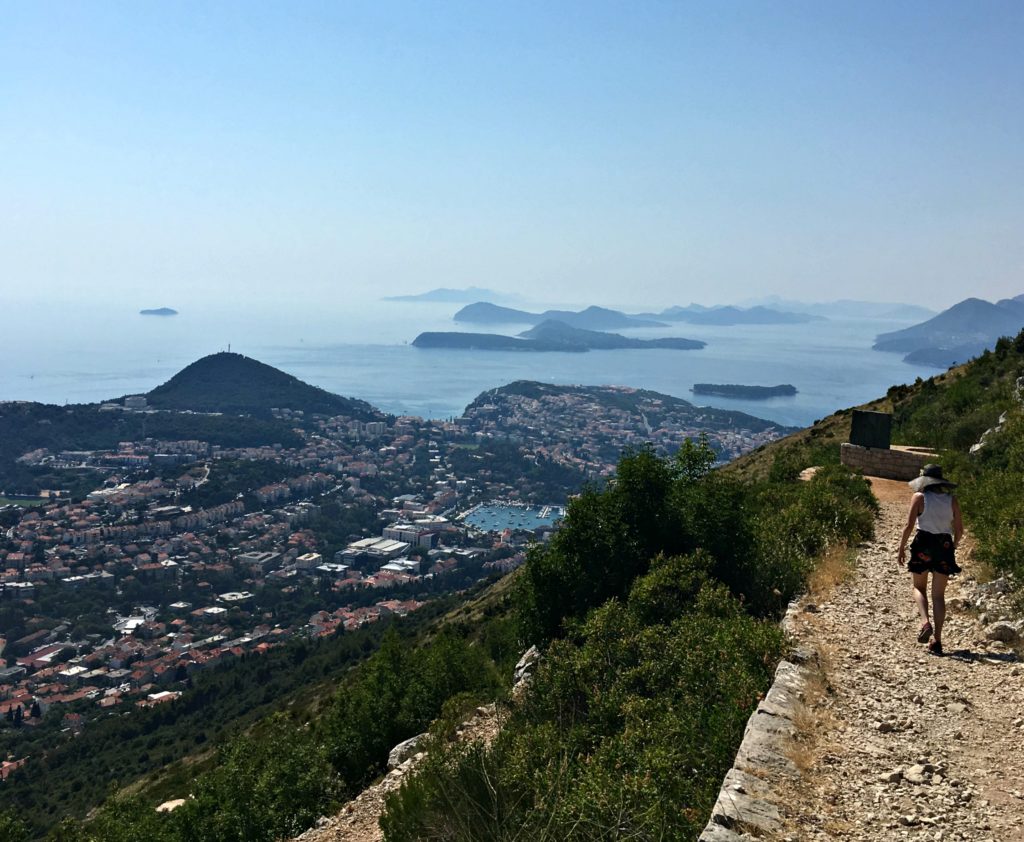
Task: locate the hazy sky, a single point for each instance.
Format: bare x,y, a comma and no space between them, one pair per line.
163,153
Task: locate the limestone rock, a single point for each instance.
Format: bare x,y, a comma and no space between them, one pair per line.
525,666
1002,631
403,751
916,774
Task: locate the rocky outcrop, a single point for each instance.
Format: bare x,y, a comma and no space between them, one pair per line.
404,750
1018,393
359,819
524,671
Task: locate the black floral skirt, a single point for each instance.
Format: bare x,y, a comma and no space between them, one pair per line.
932,552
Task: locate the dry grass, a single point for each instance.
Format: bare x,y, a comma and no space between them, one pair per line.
813,717
832,569
813,721
980,570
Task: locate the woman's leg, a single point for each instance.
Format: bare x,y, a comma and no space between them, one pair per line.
921,594
939,583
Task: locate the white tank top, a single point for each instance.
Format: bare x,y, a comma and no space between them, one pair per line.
937,516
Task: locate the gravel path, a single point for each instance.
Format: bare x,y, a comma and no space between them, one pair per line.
903,744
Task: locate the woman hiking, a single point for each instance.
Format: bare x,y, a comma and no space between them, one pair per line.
936,513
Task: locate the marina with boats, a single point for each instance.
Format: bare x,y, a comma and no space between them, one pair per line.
499,515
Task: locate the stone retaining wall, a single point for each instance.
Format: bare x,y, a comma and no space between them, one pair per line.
894,463
746,809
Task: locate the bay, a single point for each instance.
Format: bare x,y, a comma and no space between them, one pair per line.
86,352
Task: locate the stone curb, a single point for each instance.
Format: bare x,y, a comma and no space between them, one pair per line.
747,805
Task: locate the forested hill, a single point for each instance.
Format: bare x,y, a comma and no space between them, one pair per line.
233,383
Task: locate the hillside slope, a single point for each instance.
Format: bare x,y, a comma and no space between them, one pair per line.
957,334
657,606
233,383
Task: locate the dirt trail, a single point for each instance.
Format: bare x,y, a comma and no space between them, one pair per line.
903,744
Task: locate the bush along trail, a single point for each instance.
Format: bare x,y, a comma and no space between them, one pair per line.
899,743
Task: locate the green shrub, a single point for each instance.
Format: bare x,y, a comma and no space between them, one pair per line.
12,829
260,790
398,692
625,734
652,668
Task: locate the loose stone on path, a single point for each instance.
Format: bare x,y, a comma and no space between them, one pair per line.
904,744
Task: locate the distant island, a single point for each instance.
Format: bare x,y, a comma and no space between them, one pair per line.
486,342
558,332
697,314
550,335
591,318
159,311
956,335
447,295
735,390
848,308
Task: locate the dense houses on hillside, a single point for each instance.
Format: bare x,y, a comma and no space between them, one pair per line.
212,579
588,428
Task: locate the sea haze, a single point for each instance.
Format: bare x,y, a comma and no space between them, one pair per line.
83,354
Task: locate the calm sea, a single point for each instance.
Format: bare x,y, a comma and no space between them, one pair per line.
62,353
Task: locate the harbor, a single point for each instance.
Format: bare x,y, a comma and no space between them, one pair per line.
499,515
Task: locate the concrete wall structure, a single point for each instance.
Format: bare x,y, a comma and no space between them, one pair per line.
901,463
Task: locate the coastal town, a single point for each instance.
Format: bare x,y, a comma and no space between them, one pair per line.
189,555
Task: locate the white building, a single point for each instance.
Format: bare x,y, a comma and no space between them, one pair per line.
309,561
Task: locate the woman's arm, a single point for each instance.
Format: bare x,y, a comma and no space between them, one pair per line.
958,523
916,507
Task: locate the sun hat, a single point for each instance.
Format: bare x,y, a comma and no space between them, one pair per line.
931,476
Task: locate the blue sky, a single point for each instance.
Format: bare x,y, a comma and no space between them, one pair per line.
647,153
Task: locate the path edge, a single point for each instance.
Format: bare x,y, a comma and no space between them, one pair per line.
747,807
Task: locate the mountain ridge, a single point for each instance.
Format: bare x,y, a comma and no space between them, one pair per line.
956,334
589,318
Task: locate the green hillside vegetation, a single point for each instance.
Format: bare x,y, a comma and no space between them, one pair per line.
658,604
236,384
640,600
234,717
949,413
